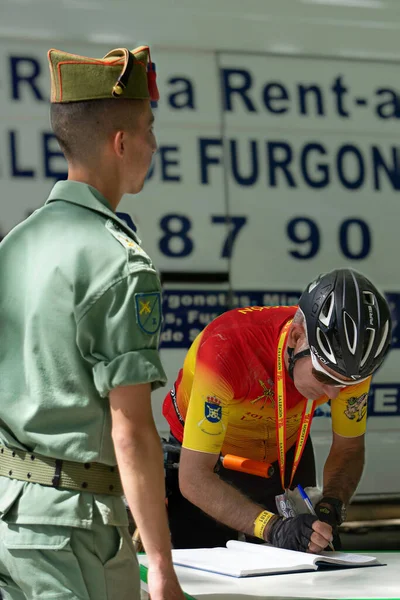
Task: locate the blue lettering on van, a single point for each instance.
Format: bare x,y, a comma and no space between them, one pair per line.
182,94
206,146
308,165
187,312
242,91
52,156
166,164
16,169
24,72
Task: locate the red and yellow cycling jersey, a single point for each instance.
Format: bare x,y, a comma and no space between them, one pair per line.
224,397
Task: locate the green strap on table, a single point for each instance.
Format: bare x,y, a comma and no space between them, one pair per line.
143,577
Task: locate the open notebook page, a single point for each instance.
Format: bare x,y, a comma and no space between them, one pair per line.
288,556
241,562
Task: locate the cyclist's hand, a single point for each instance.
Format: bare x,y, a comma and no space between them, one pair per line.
163,584
302,533
327,514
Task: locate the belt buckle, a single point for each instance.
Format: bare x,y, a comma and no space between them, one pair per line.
57,473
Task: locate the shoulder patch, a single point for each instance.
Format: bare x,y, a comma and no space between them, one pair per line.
123,238
148,312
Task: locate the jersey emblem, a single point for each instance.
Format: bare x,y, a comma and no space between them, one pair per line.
356,408
213,400
267,395
213,412
148,312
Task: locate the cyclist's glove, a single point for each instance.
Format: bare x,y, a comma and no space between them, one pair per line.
293,533
329,515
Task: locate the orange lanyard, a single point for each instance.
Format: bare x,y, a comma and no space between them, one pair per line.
280,412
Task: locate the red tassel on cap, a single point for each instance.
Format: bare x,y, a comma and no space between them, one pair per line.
151,82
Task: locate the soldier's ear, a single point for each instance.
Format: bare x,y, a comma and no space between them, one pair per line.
119,143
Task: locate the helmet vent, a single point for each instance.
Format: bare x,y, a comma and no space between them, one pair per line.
383,339
350,330
324,346
327,310
369,298
370,336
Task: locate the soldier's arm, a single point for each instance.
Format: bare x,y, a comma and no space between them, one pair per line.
140,461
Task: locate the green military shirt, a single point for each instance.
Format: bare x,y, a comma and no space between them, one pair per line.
80,314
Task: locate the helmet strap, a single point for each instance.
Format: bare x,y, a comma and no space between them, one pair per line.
293,358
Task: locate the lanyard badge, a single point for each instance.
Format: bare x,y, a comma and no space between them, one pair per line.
284,506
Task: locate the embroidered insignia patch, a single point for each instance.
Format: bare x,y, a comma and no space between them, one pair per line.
148,312
213,412
267,395
123,238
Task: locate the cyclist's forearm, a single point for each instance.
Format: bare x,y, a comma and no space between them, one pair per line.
342,473
140,461
221,501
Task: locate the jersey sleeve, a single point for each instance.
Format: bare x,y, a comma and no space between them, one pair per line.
208,409
119,335
349,410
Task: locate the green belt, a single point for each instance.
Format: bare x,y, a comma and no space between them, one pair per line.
64,474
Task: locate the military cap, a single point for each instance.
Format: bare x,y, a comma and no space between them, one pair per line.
121,73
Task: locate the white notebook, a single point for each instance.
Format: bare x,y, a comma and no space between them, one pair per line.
243,559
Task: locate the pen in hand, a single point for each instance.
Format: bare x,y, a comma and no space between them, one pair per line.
310,507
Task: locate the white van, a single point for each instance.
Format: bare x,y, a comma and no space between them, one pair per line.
278,132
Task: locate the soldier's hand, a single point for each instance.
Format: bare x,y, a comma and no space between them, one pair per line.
163,584
303,533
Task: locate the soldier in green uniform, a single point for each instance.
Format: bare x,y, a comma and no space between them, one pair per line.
80,315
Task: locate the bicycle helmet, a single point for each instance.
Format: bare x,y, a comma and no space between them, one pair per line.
348,323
